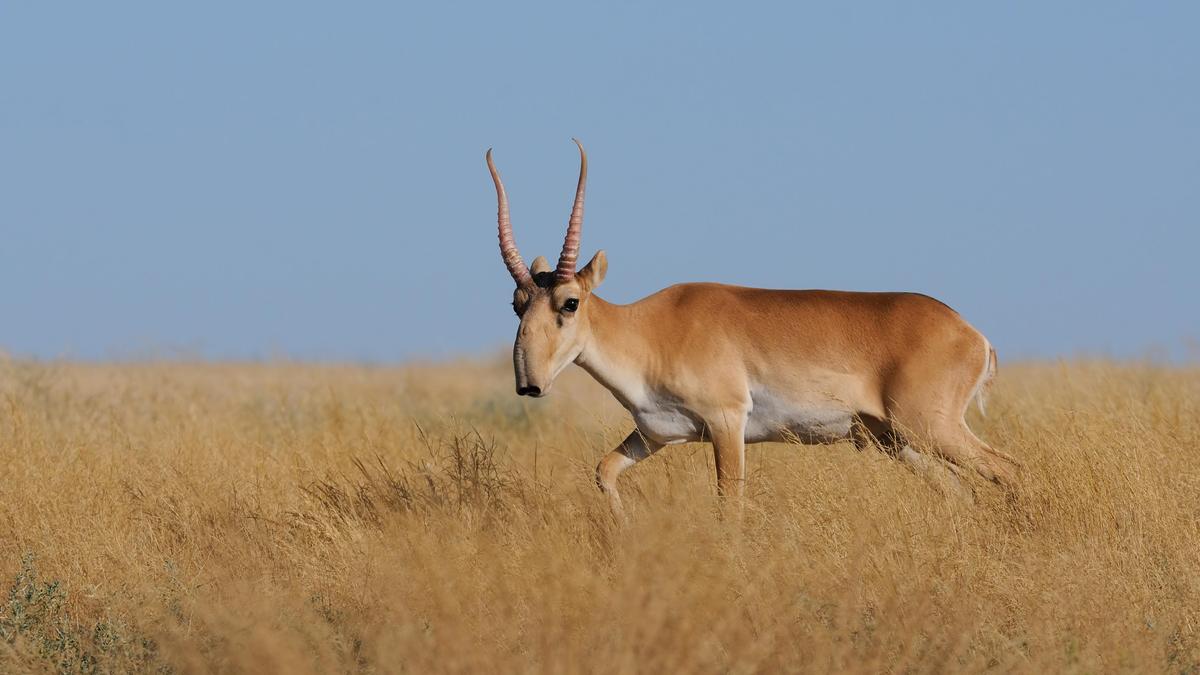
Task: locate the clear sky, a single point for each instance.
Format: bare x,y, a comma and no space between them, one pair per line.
255,179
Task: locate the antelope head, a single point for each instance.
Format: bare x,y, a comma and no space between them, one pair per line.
552,304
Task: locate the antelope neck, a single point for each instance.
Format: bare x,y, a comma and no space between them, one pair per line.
614,352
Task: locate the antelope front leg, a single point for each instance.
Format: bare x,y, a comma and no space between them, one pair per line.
632,450
729,447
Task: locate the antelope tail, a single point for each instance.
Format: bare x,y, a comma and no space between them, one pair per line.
985,380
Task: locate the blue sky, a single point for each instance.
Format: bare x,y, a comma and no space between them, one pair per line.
249,180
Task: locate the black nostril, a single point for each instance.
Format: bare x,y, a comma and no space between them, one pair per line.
529,391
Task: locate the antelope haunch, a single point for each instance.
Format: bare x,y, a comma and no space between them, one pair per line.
733,365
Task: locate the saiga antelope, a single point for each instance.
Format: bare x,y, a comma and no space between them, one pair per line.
733,365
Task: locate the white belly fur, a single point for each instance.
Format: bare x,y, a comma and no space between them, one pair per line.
771,418
668,423
775,418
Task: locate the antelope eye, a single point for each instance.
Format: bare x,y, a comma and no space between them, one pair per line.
571,305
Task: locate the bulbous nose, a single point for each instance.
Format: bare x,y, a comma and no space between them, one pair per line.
529,391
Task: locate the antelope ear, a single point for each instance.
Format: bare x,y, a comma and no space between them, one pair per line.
593,273
542,272
540,264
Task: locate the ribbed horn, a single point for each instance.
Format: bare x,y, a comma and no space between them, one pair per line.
508,246
570,250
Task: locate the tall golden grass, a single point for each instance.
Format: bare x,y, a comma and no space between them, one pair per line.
306,518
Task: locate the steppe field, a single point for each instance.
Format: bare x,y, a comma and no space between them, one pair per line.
285,517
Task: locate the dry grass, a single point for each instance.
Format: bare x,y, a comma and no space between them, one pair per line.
424,519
